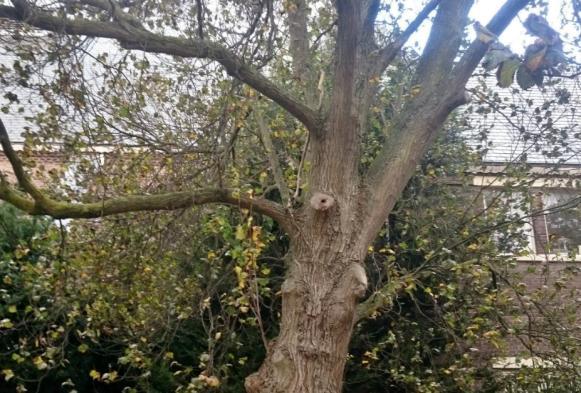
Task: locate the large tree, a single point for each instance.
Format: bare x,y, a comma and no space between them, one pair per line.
337,56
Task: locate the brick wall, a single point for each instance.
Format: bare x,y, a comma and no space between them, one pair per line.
547,296
44,163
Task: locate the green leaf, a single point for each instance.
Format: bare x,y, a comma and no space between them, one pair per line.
527,79
124,111
240,233
506,71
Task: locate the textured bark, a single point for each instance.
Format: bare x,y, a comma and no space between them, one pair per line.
320,295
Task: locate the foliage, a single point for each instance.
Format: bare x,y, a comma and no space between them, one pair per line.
96,315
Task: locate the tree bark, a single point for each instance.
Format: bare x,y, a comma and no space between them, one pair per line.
319,299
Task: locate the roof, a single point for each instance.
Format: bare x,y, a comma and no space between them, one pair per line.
539,126
14,114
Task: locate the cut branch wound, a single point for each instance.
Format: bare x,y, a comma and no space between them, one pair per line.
322,202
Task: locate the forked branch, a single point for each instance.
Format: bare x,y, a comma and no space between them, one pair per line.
416,126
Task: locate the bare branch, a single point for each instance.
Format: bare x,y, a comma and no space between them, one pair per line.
273,158
300,169
414,129
17,166
388,53
200,18
131,37
335,151
443,43
41,204
113,8
372,9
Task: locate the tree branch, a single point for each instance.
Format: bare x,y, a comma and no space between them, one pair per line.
369,17
416,127
132,37
443,42
18,168
383,298
41,204
299,49
200,18
112,7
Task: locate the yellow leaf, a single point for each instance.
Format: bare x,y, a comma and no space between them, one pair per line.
213,382
6,323
8,374
110,377
410,287
40,363
240,233
95,374
256,230
12,309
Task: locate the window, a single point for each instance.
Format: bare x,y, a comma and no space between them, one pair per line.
510,210
563,221
544,222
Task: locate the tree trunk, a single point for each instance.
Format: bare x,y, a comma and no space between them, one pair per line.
319,298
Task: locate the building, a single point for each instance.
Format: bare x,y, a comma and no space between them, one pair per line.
532,141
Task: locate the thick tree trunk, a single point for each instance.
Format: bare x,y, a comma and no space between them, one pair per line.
319,300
